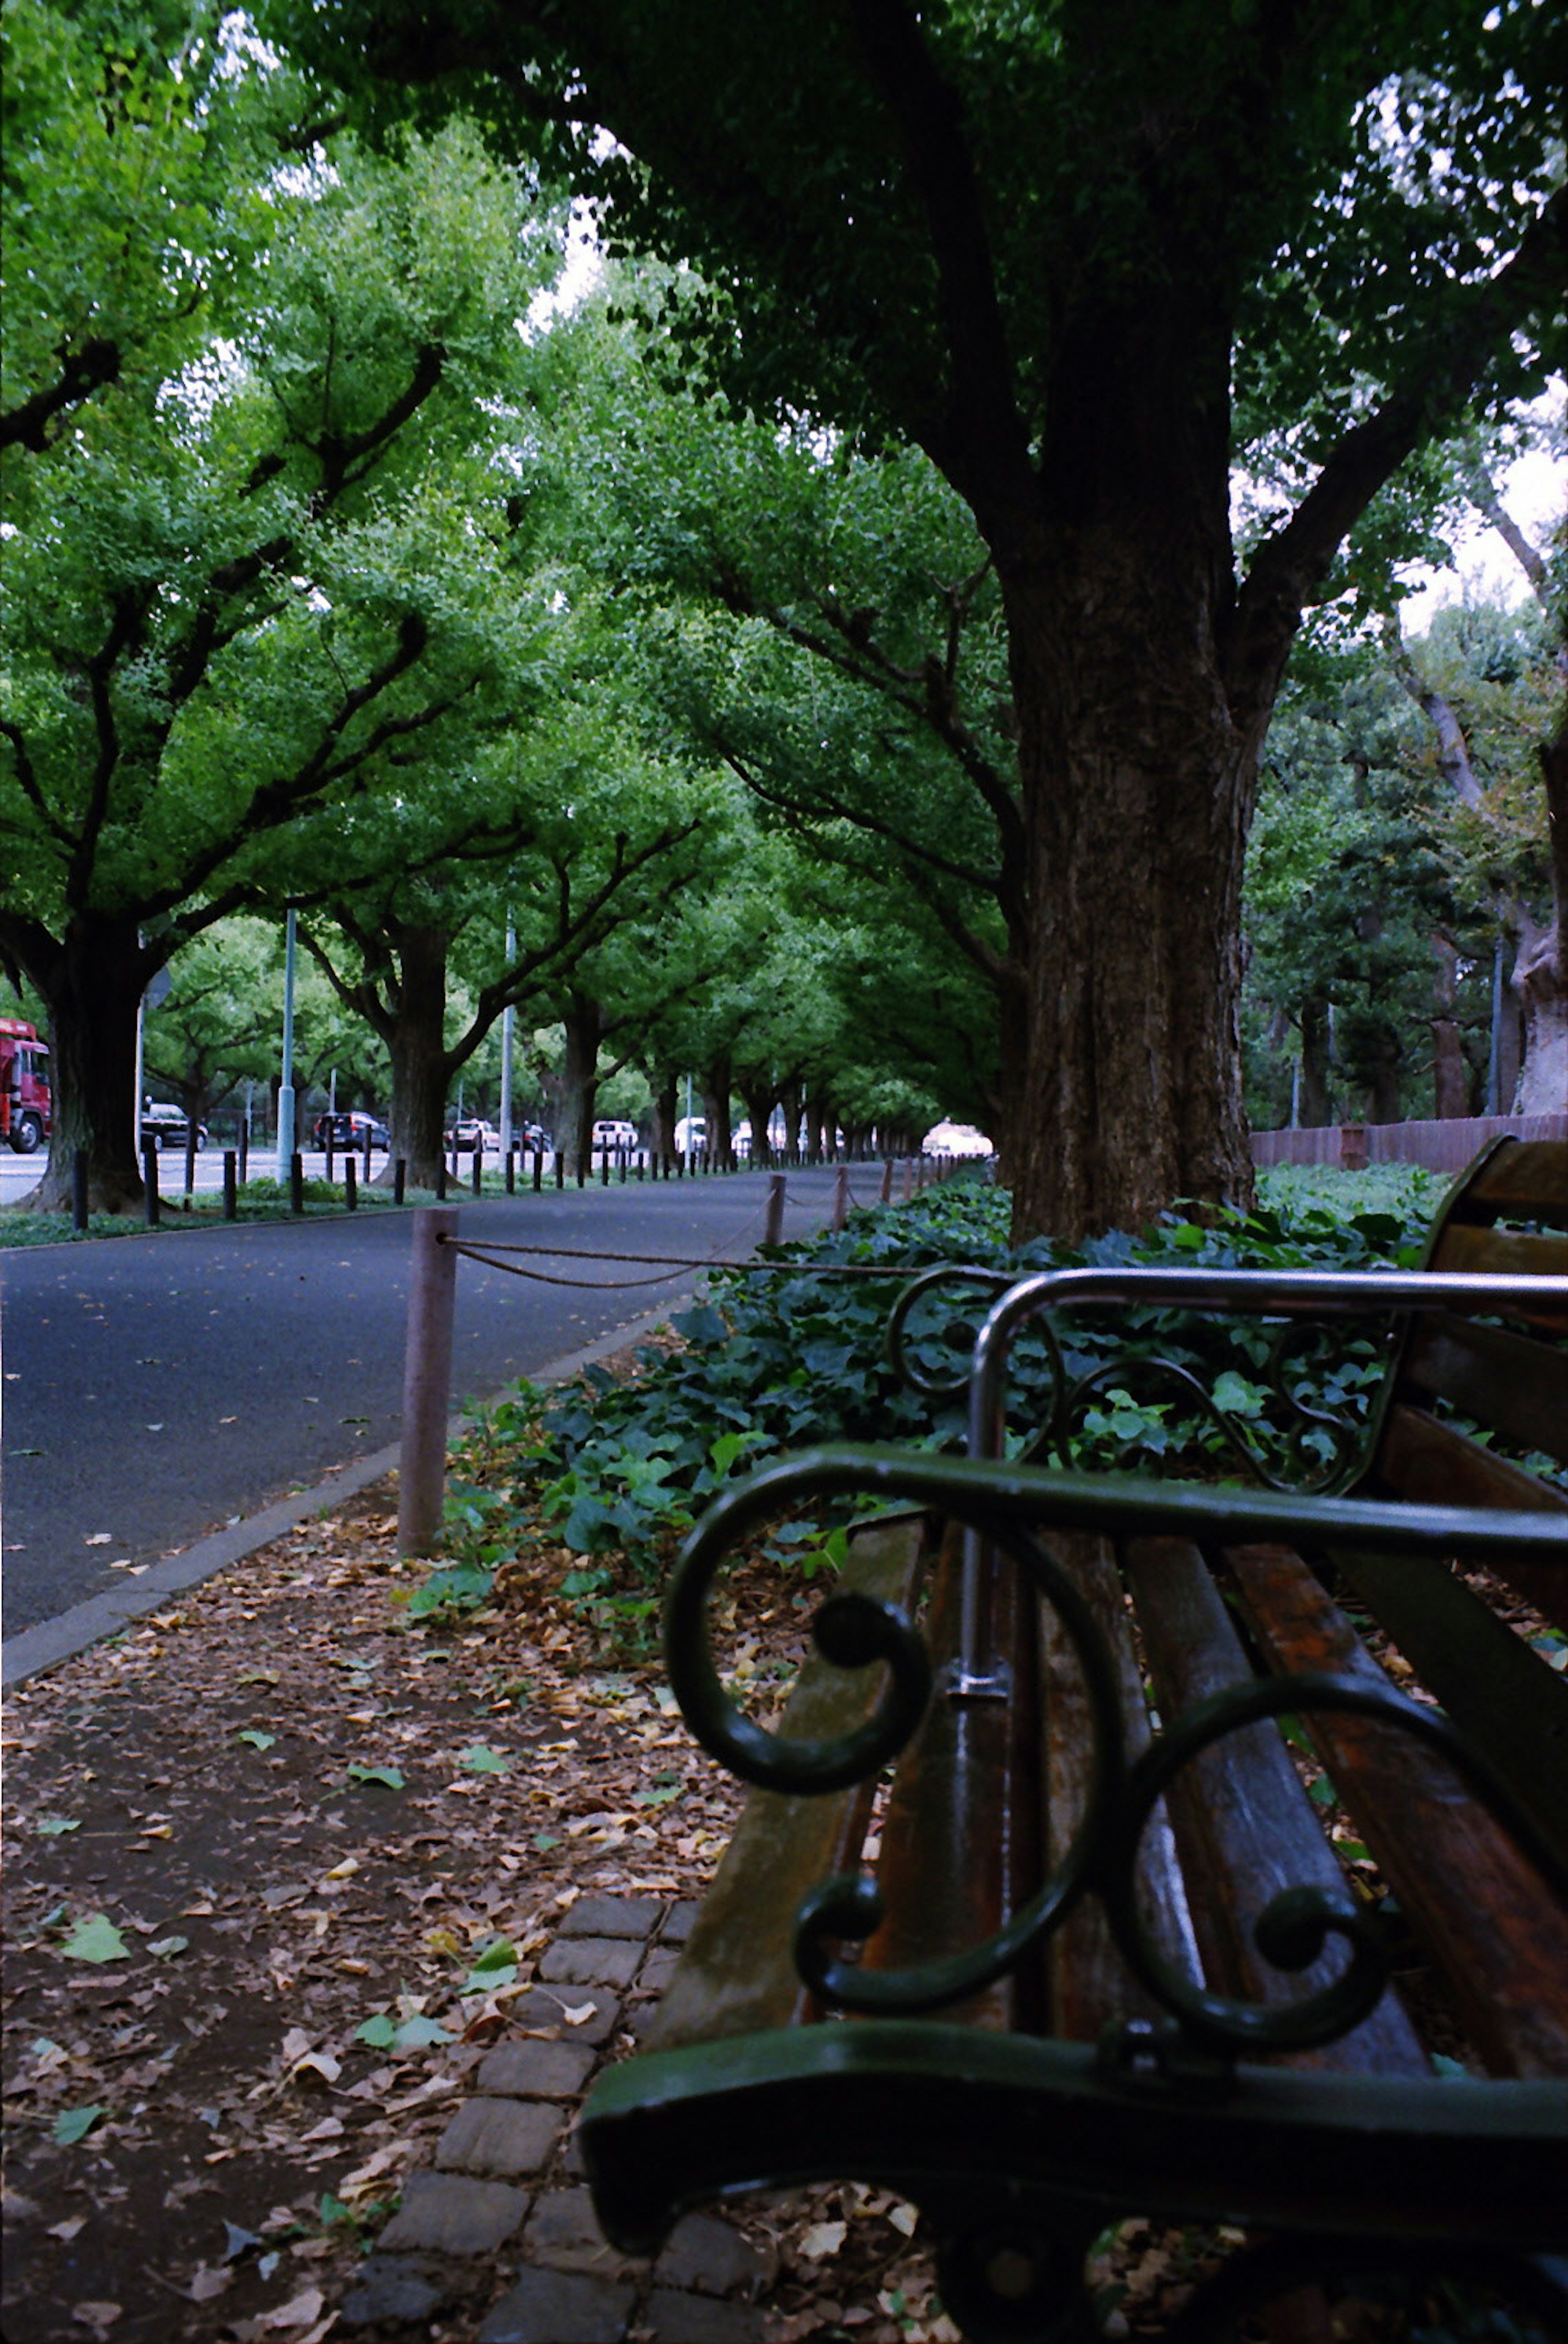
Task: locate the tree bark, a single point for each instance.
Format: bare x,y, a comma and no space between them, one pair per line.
415,1034
579,1084
92,986
717,1082
1540,972
1450,1070
1138,788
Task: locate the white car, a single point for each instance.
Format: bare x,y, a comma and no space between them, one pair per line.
956,1139
613,1132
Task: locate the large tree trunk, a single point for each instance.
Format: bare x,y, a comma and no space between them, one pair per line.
1541,973
415,1036
759,1094
1137,794
1450,1071
578,1085
717,1081
92,986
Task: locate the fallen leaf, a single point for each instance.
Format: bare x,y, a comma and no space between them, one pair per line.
99,2317
391,1776
207,2282
255,1738
97,1939
479,1759
823,2239
73,2125
301,2311
166,1947
51,1826
102,1538
66,2231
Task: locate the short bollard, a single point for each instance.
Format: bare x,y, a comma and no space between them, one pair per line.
367,1166
538,1170
351,1184
399,1179
511,1171
841,1196
150,1181
478,1170
78,1188
427,1381
775,1230
244,1153
230,1184
441,1177
297,1183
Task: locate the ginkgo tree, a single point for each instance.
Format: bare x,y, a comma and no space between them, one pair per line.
1084,257
261,507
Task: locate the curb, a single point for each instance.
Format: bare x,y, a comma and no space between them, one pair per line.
49,1641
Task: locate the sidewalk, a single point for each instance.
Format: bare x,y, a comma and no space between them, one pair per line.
506,2188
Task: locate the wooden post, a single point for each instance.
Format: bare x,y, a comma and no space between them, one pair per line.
399,1179
351,1184
841,1196
297,1182
149,1177
887,1179
427,1381
1353,1146
774,1232
230,1184
478,1167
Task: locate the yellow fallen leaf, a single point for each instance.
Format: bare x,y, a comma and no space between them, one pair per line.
300,2311
344,1871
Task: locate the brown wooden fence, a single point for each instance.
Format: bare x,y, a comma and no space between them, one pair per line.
1441,1146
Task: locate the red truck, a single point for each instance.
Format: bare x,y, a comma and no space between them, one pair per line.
27,1110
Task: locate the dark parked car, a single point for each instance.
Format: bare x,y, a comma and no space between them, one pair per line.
348,1130
169,1126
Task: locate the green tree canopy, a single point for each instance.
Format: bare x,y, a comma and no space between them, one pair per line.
1086,258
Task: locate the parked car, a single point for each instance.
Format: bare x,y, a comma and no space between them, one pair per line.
462,1138
167,1127
613,1132
347,1131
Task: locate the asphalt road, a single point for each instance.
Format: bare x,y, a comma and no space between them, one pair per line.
156,1388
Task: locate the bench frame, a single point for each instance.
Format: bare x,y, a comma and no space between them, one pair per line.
1019,2148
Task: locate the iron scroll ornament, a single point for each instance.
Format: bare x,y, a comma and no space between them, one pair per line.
996,1501
1347,1439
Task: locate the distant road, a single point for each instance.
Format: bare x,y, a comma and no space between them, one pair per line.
159,1386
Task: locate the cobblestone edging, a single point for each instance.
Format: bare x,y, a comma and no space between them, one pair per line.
507,2185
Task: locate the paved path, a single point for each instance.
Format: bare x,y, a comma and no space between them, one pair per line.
160,1387
507,2190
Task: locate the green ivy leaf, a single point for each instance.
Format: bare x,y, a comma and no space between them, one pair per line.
479,1759
255,1738
390,1777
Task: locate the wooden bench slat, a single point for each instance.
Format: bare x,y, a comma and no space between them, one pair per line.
1530,1178
1088,1984
1505,1253
1243,1822
960,1834
1503,1379
1484,1917
737,1970
1435,1465
1496,1690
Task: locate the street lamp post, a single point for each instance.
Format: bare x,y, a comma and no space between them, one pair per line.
286,1089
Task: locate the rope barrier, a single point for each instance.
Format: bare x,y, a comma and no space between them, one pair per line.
668,1262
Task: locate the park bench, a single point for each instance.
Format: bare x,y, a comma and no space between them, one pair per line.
1119,1962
